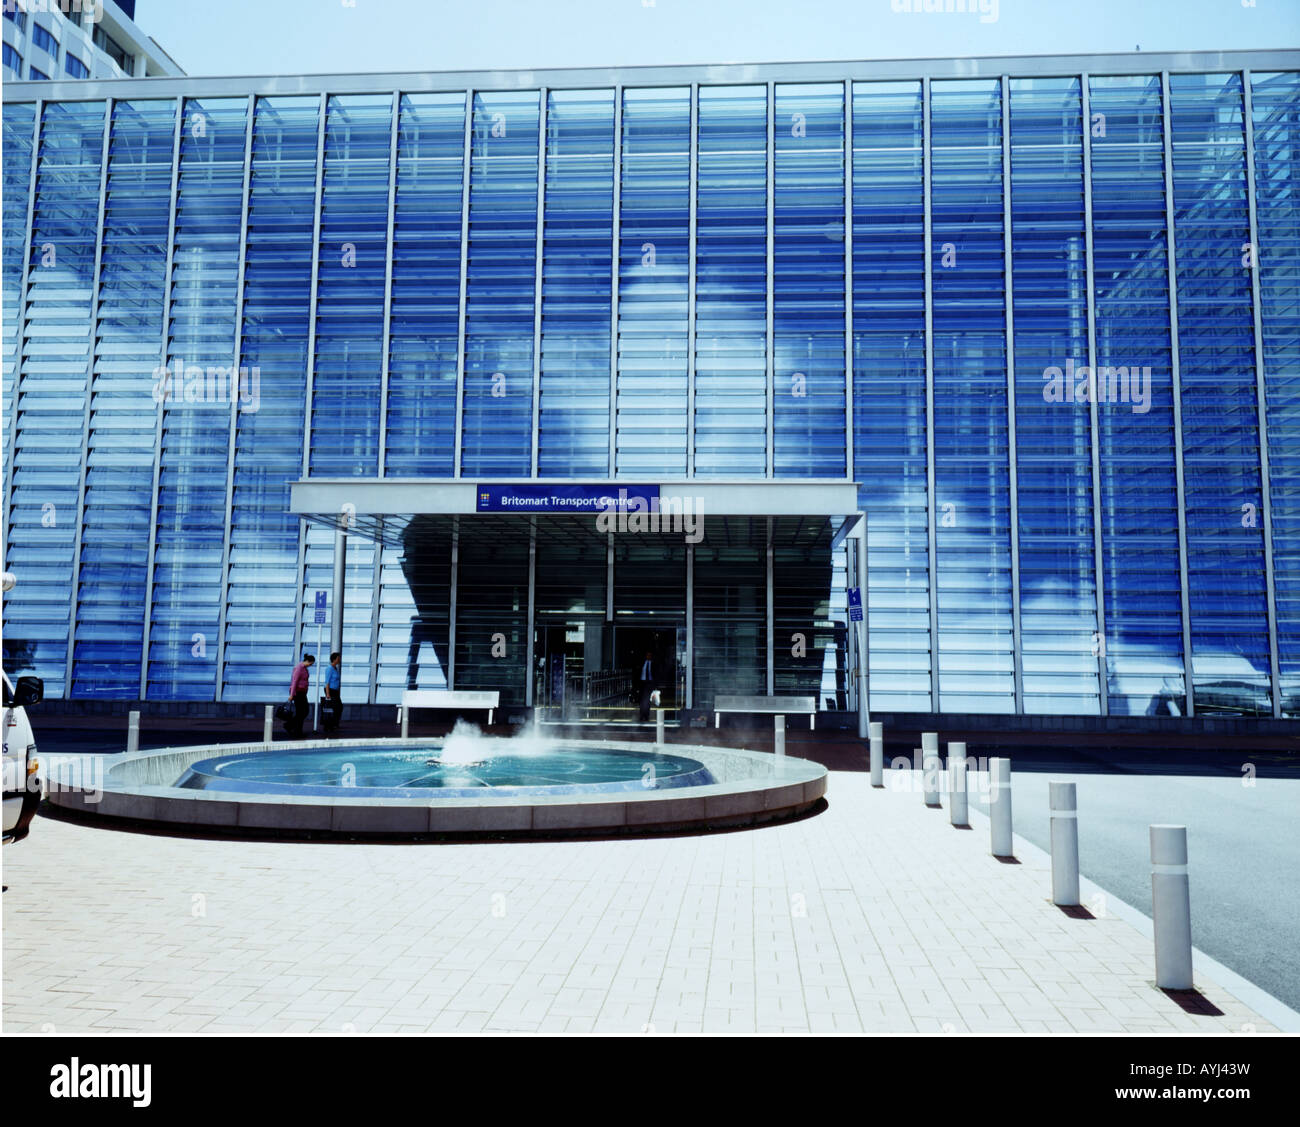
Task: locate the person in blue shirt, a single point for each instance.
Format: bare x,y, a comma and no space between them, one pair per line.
333,701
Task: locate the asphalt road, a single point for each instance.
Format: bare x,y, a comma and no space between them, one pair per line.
1243,843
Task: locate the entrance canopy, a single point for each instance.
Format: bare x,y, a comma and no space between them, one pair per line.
382,509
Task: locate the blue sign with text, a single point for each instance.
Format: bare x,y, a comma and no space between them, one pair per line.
535,498
855,604
320,607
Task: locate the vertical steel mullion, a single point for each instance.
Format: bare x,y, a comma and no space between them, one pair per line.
75,597
532,610
609,577
690,625
1177,391
162,406
928,176
1094,410
539,251
385,354
616,229
1013,458
309,387
451,602
20,322
467,155
376,593
1261,396
848,279
771,617
234,398
691,280
235,383
771,284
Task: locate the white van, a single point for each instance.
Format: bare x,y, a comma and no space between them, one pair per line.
22,789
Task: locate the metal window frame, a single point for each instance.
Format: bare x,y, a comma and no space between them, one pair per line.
1013,455
162,407
539,251
848,279
690,625
1171,265
20,324
250,113
376,595
694,188
771,292
616,255
385,342
467,160
309,389
724,74
74,602
927,173
454,581
531,646
1094,408
1261,394
771,616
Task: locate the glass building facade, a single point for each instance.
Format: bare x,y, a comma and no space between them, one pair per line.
1042,315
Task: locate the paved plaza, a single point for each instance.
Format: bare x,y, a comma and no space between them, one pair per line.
873,916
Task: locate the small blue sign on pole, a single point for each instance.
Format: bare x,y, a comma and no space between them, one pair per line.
855,604
321,596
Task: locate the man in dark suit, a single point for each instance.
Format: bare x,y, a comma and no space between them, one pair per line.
647,679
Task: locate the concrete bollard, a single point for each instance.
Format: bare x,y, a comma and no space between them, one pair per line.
778,723
133,731
405,714
931,769
1000,807
659,727
1061,800
958,803
877,754
268,724
1171,907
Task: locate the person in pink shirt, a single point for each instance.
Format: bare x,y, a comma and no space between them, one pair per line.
298,685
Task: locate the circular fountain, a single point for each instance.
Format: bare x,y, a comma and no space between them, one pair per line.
462,784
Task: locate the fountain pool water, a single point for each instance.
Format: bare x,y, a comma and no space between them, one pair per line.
463,784
421,772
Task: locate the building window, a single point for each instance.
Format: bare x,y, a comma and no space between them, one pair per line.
37,75
111,48
18,17
13,60
44,39
75,67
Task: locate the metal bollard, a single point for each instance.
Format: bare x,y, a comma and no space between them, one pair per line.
1061,800
659,727
133,731
1000,807
405,714
877,754
957,797
268,724
931,768
1171,907
778,723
